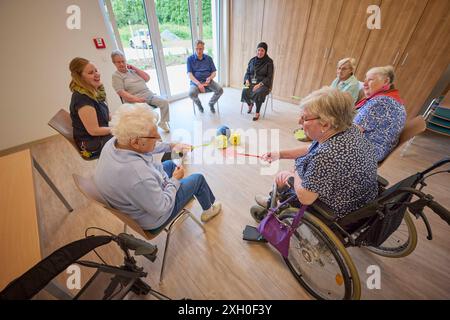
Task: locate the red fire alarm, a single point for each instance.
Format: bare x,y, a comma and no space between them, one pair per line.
99,43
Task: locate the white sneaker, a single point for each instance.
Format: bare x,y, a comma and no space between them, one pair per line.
211,212
164,127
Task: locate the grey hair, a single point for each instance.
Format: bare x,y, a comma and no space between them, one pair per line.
332,106
199,42
387,72
351,62
132,120
116,53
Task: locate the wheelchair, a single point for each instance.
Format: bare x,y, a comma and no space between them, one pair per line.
318,258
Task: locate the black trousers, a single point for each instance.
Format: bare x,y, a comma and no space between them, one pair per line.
258,97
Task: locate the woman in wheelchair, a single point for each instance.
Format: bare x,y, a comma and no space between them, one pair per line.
339,168
336,177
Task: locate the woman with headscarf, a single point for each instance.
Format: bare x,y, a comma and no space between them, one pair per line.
258,79
88,108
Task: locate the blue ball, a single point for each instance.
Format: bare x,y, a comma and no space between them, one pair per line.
223,130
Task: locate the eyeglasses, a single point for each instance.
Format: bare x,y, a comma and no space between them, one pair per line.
303,119
150,137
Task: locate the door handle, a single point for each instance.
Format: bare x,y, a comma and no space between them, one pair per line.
325,53
404,60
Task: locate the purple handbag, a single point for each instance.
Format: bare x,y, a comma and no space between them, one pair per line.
277,232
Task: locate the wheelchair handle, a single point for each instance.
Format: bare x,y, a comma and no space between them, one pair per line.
436,165
442,212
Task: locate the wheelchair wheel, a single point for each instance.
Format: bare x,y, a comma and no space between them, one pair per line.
401,243
319,261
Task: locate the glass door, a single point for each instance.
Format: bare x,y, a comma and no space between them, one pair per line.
176,39
133,29
157,36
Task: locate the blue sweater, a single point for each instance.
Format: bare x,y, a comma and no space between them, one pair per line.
134,184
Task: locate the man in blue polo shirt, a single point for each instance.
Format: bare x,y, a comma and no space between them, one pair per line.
201,71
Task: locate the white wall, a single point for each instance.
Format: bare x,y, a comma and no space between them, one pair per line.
36,48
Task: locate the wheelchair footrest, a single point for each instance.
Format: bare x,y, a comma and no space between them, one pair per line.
251,233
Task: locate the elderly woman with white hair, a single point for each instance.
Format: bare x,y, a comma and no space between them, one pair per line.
131,181
381,115
339,167
346,80
130,84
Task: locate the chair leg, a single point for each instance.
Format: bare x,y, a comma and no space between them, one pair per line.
408,143
191,215
242,106
161,275
265,107
51,184
218,109
193,106
271,100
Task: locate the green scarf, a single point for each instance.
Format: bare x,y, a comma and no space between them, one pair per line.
100,93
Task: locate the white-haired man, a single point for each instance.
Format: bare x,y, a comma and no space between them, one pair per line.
131,181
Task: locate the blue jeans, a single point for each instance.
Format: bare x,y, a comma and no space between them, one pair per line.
194,185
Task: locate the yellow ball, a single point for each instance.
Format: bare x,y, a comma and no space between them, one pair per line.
221,142
235,139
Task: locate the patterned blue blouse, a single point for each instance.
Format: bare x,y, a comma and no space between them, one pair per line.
382,119
342,170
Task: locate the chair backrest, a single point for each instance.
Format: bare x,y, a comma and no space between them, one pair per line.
62,123
412,128
89,189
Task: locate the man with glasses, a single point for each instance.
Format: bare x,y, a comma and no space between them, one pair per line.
201,72
127,176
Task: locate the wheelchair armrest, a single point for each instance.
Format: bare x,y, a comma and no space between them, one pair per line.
382,181
324,210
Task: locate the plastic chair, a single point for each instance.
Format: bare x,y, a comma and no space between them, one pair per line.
89,189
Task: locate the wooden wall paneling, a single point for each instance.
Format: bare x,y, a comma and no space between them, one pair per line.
284,30
245,33
350,37
426,57
386,45
319,36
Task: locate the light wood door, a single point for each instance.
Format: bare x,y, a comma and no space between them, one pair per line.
426,57
284,30
245,33
350,37
319,36
386,45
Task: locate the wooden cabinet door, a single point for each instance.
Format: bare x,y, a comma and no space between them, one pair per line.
284,30
386,45
350,37
426,57
246,21
319,36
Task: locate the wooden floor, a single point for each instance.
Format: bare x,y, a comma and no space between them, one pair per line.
218,264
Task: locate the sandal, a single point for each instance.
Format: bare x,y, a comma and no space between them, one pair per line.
250,107
256,117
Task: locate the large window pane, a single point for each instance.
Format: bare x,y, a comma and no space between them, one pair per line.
174,26
135,37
